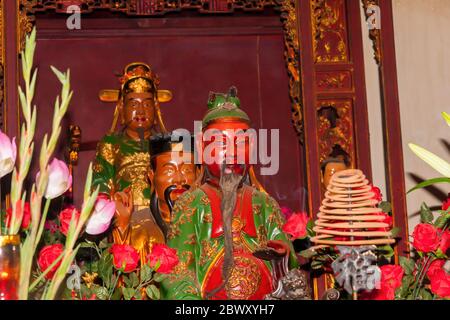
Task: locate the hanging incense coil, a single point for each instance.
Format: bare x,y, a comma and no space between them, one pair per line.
349,215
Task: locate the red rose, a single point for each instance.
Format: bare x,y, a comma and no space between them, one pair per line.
47,256
445,240
377,194
439,279
446,203
426,238
65,217
391,280
26,218
434,267
296,225
286,212
166,256
125,257
51,226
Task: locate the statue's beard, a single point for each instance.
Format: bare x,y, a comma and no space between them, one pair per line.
168,193
229,184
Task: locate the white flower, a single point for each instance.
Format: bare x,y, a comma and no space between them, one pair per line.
59,179
101,217
8,152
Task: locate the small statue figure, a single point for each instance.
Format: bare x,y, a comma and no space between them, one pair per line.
293,286
122,159
227,233
172,172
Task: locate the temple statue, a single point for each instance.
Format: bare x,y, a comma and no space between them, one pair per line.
227,232
172,172
122,159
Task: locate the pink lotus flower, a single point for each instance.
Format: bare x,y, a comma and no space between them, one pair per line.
101,217
59,179
8,152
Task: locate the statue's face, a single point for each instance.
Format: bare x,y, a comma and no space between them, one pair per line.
139,110
172,176
228,147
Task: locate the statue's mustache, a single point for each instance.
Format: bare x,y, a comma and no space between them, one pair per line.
168,192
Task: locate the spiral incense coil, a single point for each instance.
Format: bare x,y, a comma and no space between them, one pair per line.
349,215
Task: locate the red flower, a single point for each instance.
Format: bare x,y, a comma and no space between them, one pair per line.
445,240
166,256
377,194
26,215
434,267
65,217
51,226
439,279
47,256
286,212
296,225
125,257
391,280
387,219
426,238
446,203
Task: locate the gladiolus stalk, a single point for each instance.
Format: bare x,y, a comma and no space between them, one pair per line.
38,189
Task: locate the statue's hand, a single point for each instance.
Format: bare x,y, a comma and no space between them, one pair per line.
124,207
273,251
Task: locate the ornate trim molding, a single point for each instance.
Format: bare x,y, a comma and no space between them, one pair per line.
145,8
374,34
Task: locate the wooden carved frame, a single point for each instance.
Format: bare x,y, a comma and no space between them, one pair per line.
287,9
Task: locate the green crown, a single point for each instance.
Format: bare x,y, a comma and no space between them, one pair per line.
221,105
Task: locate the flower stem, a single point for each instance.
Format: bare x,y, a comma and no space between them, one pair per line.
421,276
114,286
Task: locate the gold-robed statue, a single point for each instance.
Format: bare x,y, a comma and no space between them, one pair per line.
122,159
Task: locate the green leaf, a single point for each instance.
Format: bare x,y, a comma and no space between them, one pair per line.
424,294
104,244
105,268
146,273
316,264
153,292
440,254
385,206
407,265
426,216
127,281
429,182
403,291
159,277
309,228
386,251
446,117
438,164
128,293
100,292
308,254
134,280
395,232
87,244
441,220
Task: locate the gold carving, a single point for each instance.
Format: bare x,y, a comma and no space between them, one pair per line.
329,35
244,280
340,133
287,9
209,250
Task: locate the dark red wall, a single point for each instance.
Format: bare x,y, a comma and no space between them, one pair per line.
193,55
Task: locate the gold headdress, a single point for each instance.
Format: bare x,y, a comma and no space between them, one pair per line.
137,77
